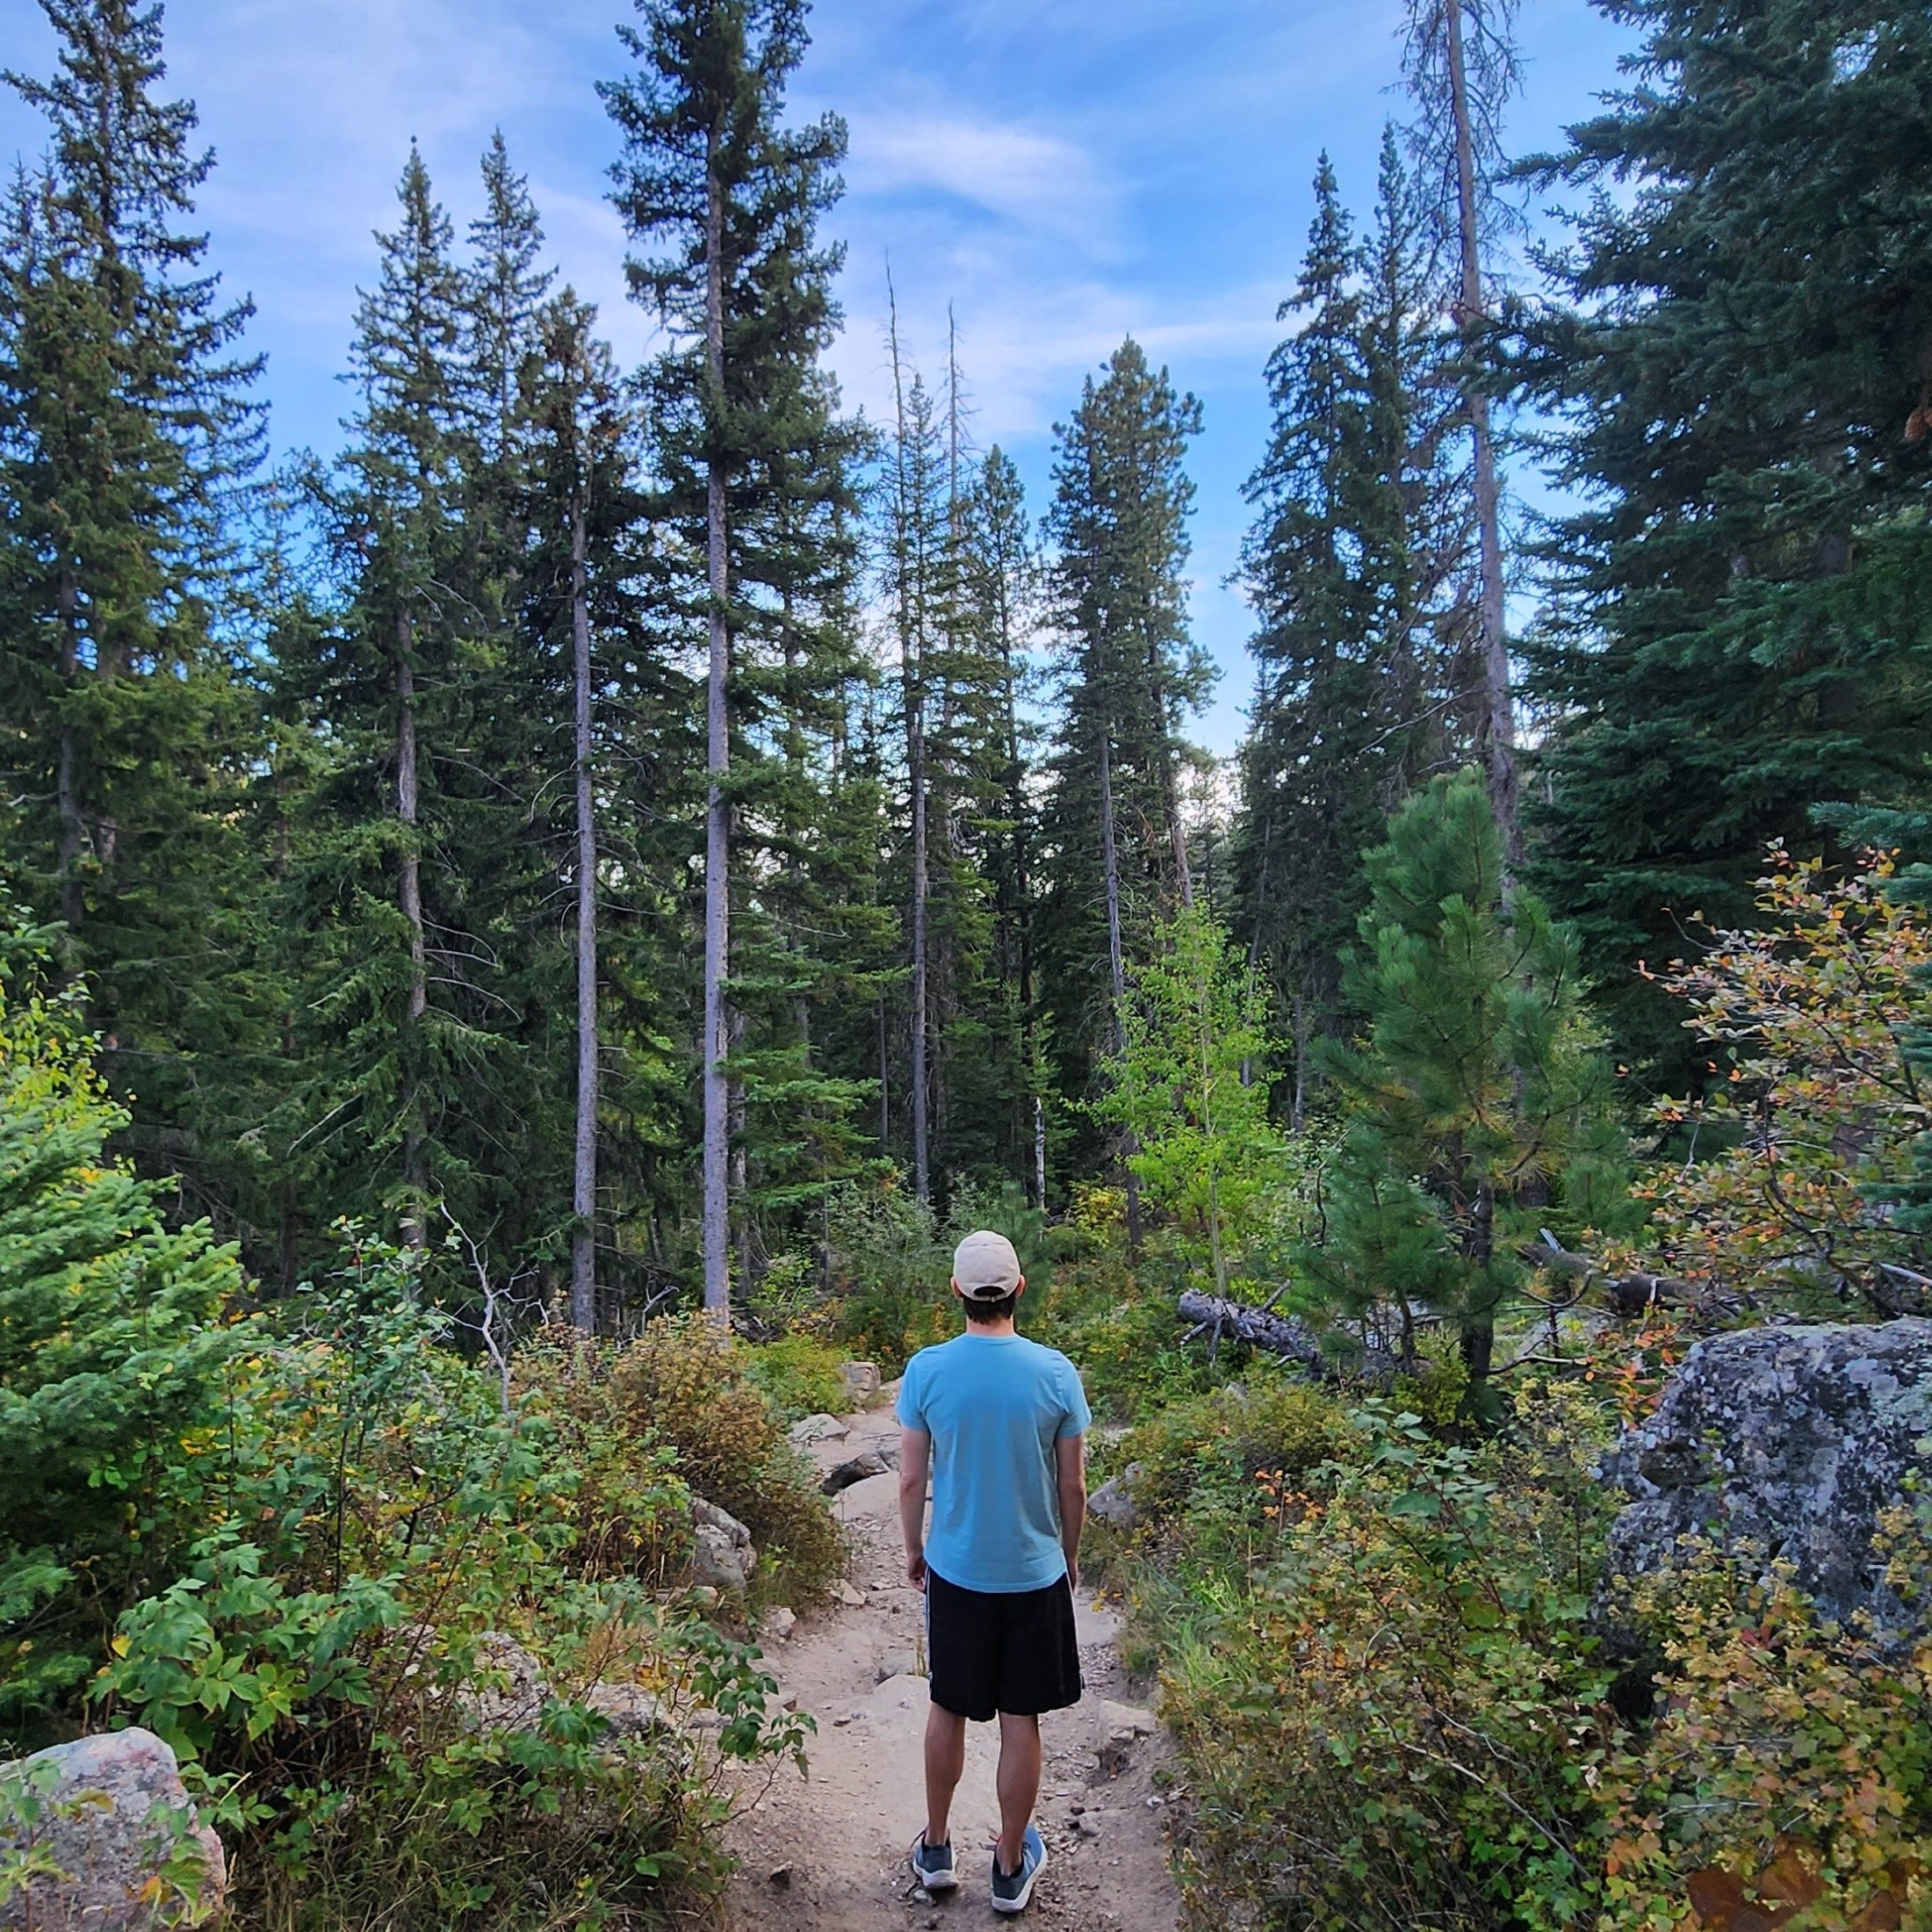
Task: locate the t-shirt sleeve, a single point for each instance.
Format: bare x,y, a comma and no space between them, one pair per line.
1078,1418
911,1407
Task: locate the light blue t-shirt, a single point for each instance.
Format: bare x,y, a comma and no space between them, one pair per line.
994,1406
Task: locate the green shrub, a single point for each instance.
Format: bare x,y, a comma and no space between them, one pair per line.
1789,1765
686,1381
890,1271
1395,1725
799,1376
1205,1459
110,1343
381,1531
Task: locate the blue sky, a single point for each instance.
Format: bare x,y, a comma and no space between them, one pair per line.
1062,171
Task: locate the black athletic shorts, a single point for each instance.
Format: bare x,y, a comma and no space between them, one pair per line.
997,1650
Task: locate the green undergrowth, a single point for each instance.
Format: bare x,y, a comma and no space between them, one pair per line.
1370,1623
382,1597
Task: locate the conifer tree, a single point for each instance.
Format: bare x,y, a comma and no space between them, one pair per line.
370,927
1353,569
126,433
1740,628
999,598
1194,1034
747,437
1129,674
1477,1104
1460,64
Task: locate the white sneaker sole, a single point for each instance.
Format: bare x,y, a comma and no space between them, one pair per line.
939,1882
1011,1906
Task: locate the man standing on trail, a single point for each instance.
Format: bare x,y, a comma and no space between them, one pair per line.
1000,1423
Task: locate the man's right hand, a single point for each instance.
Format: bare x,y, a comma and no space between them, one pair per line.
1073,1576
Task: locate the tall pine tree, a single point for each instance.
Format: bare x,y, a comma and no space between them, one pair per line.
124,435
1740,627
1129,673
1355,568
748,443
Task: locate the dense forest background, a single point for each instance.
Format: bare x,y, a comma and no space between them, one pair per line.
528,934
424,817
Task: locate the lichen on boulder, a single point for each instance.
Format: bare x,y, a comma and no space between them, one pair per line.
1786,1446
108,1825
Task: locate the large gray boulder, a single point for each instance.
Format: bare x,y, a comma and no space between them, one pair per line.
111,1815
1790,1441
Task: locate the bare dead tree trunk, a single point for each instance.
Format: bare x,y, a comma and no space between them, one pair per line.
73,832
1298,1119
1497,730
912,681
583,1192
410,896
1116,958
718,911
922,1179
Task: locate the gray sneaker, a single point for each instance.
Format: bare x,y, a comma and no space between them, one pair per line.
1013,1891
932,1865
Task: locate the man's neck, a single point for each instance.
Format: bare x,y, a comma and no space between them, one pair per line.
993,1332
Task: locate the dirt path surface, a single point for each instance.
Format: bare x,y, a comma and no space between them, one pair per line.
829,1850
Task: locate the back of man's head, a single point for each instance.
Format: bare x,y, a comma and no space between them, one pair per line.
986,1277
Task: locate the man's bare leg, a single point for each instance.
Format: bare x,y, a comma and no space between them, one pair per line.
1018,1784
945,1766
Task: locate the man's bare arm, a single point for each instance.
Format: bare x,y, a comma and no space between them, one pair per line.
915,1459
1070,1475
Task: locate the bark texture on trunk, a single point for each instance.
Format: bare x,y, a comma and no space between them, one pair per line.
409,897
583,1191
1497,726
717,1234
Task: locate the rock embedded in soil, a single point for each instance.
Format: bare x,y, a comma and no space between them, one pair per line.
1114,1501
1790,1442
722,1555
116,1814
818,1429
861,1381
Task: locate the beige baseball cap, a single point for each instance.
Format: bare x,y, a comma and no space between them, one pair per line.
985,1266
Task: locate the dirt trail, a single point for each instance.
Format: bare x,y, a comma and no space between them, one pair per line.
829,1850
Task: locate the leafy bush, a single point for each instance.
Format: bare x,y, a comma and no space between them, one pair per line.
1815,1126
686,1382
799,1376
1204,1459
1790,1765
1396,1724
890,1271
110,1344
380,1669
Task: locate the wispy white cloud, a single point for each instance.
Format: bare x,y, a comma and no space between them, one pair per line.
1040,183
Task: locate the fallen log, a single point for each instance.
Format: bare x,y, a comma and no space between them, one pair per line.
1628,1293
1285,1336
